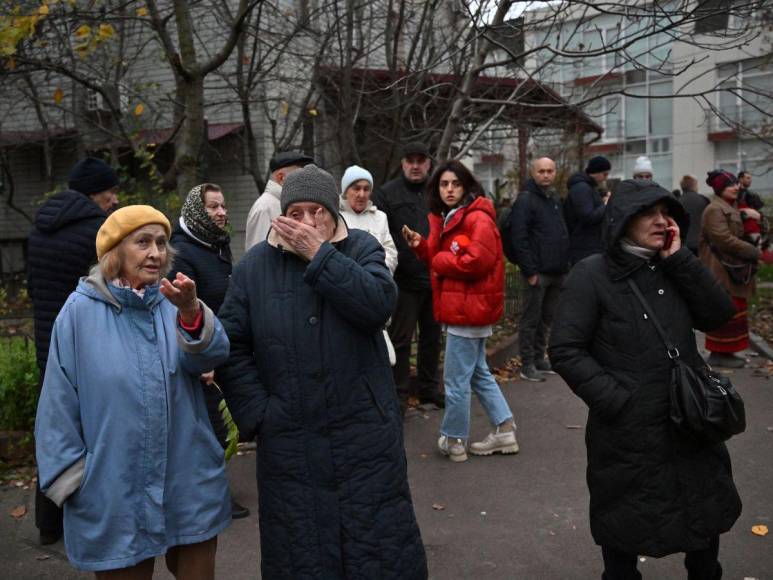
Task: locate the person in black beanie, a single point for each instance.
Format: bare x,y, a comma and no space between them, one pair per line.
60,249
584,209
403,202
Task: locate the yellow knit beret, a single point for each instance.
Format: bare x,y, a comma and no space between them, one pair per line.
124,221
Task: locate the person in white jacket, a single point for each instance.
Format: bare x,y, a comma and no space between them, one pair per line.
360,214
267,206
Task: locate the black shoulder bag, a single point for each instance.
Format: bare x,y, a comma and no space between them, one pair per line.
704,403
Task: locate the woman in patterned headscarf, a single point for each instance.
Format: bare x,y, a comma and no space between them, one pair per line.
204,255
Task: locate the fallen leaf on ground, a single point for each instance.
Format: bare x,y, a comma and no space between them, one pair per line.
573,426
423,455
19,511
760,530
438,507
43,557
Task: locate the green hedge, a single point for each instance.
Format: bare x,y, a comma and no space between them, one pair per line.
18,384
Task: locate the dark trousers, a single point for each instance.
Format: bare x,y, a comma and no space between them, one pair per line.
48,517
537,312
700,564
415,307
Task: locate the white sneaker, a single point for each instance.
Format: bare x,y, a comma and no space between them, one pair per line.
455,451
497,442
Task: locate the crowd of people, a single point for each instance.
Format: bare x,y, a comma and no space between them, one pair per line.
144,328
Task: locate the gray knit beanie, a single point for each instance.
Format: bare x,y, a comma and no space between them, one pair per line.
310,183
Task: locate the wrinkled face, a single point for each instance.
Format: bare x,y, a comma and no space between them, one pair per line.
450,189
358,195
214,203
746,180
544,172
648,228
314,215
107,200
416,167
599,177
144,253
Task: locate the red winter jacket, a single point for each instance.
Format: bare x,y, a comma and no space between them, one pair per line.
468,288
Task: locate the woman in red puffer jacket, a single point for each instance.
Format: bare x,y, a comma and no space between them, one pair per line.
464,255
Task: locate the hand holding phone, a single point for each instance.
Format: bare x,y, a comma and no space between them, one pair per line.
669,240
672,241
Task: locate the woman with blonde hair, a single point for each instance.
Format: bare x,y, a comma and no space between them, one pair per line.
122,435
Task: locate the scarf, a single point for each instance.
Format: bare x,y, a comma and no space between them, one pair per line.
198,222
628,246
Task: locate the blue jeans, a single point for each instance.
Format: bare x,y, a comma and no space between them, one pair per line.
465,370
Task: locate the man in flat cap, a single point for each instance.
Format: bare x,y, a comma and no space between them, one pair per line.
268,206
403,201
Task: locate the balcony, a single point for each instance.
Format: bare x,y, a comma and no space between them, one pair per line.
736,120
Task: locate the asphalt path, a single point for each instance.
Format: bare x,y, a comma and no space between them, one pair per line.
520,516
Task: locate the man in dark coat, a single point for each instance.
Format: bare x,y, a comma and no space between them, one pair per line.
61,248
584,209
694,203
653,490
309,375
540,242
403,201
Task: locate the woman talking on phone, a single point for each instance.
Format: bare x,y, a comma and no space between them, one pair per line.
464,255
653,490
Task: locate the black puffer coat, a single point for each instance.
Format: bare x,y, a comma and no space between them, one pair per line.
61,248
309,374
404,204
653,492
584,212
538,233
207,265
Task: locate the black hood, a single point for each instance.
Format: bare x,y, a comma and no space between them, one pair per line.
65,208
633,196
581,177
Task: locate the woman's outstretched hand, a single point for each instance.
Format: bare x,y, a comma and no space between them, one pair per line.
673,239
413,239
182,293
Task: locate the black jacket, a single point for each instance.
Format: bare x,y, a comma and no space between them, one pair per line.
584,212
694,203
208,266
61,248
309,375
404,203
653,491
538,233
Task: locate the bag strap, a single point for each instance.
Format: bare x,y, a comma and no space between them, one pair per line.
671,350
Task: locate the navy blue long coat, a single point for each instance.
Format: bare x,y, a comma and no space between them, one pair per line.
310,377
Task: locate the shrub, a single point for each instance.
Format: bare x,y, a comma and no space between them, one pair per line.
18,384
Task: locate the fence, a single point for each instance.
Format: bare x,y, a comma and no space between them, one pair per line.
514,286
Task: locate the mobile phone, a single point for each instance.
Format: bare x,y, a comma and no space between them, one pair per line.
669,239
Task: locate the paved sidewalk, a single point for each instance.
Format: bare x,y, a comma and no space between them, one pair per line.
513,517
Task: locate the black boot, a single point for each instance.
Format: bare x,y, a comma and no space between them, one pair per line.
238,511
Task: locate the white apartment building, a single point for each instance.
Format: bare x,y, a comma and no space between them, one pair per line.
658,97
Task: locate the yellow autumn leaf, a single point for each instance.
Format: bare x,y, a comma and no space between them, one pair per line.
142,12
83,30
284,107
313,112
105,31
43,10
58,95
139,109
760,530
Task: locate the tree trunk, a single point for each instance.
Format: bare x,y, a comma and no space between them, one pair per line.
191,139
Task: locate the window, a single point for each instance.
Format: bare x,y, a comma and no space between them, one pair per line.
712,16
745,95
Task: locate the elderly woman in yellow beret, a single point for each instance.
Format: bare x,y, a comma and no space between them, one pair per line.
122,434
